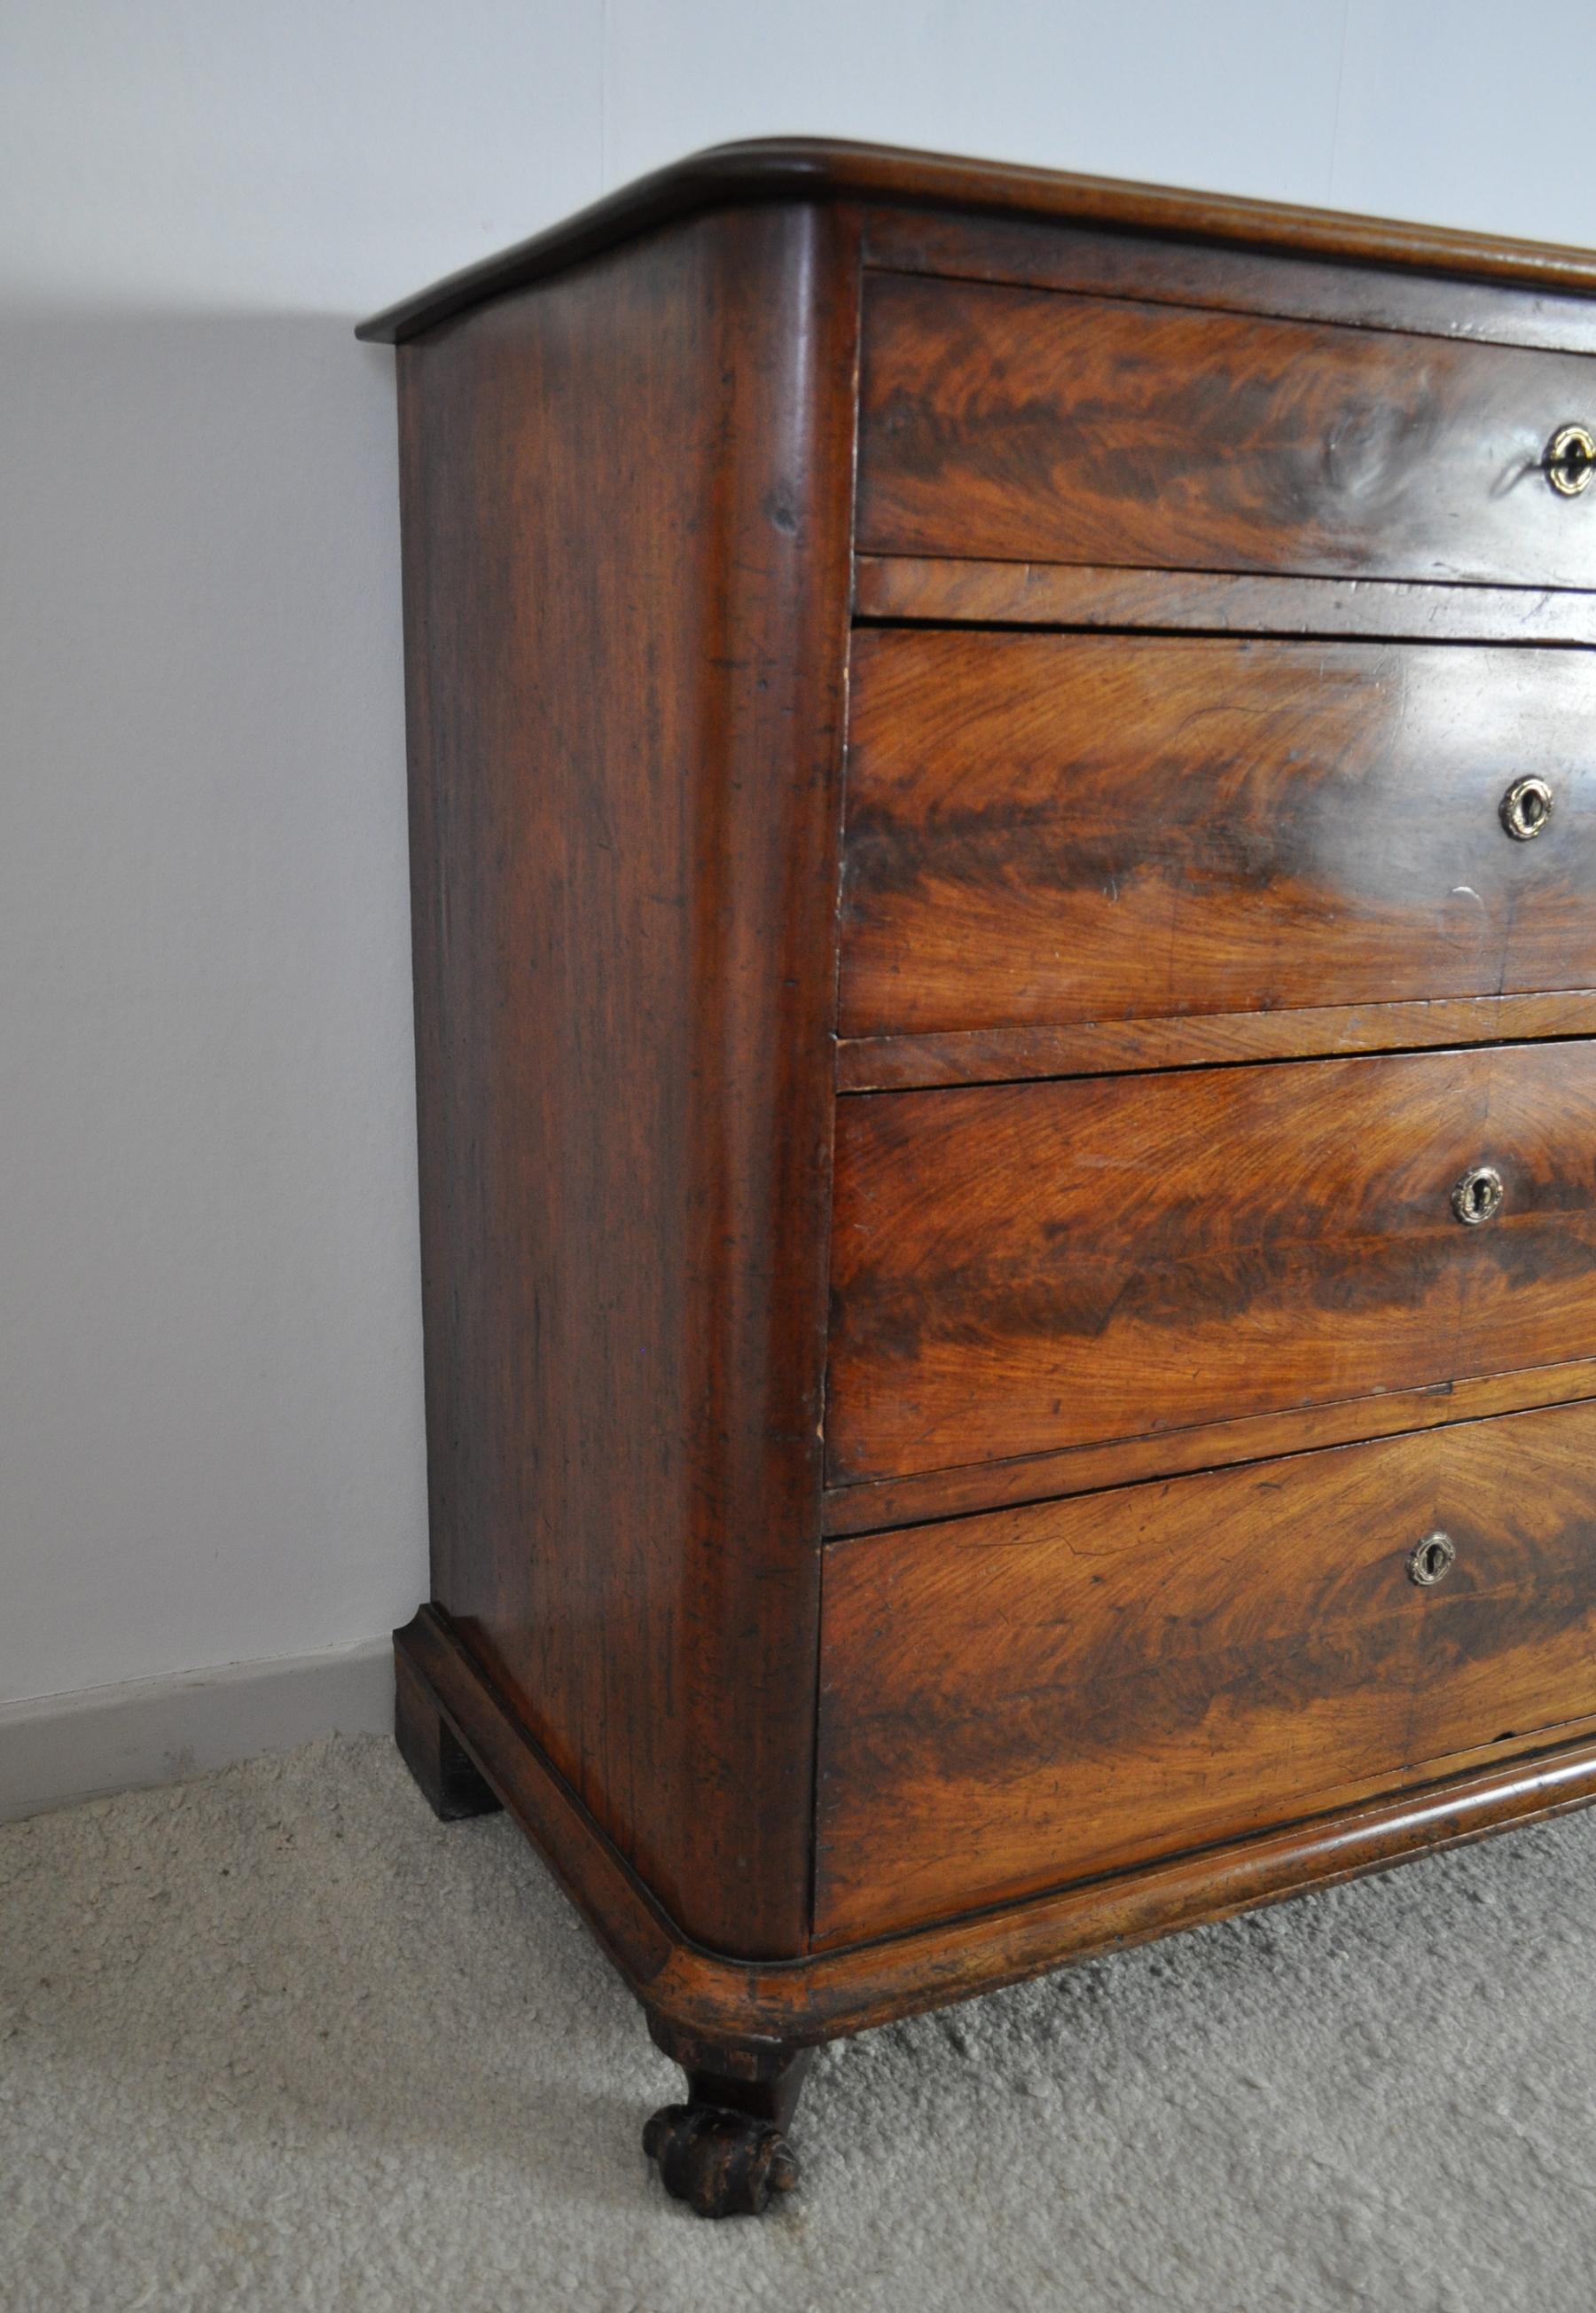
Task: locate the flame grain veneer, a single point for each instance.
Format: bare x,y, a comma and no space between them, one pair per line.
1003,838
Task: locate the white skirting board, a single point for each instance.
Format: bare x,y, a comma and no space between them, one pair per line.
60,1748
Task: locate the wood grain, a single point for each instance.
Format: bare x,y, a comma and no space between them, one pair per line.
1205,1040
1034,425
1042,1694
947,590
624,762
1085,828
1177,270
826,1993
1020,1269
628,516
877,1504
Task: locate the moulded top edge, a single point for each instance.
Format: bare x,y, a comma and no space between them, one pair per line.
805,168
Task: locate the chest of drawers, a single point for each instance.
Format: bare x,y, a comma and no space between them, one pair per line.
1004,830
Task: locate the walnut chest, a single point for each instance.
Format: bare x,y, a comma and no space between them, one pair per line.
1004,825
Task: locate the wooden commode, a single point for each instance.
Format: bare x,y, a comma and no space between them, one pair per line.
1004,828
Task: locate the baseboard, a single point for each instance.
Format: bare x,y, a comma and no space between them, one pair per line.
62,1748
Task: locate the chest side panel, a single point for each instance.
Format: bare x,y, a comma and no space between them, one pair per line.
626,506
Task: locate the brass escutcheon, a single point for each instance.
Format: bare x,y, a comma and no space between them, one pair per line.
1478,1196
1571,459
1430,1560
1526,808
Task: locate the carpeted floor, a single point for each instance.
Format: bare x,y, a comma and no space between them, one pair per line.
278,2039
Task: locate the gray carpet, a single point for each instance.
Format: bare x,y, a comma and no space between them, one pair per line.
278,2039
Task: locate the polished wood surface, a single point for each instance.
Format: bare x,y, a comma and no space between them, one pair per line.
1203,587
1085,828
1017,1269
850,1989
872,1506
1091,1048
1043,1695
1165,269
624,790
813,169
949,591
1035,426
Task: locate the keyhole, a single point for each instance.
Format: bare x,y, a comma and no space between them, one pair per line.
1526,808
1568,460
1429,1561
1478,1196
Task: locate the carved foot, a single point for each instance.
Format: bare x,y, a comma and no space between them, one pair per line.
723,2164
427,1745
725,2150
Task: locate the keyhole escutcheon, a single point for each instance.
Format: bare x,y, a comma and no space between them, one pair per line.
1430,1560
1526,808
1478,1196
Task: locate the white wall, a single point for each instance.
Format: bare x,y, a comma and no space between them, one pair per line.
210,1403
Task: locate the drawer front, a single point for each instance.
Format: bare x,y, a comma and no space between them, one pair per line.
1022,423
1012,1702
1071,828
1020,1267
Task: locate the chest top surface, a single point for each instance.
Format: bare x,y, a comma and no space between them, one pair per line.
818,168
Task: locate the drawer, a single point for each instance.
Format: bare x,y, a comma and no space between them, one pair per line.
1012,1702
1072,827
1023,423
1020,1267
